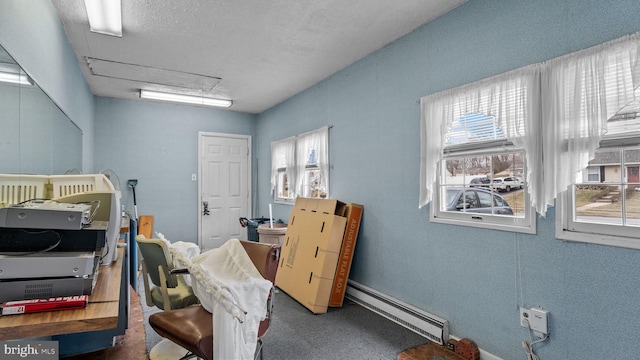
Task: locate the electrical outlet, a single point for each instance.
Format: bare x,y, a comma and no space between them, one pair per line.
535,319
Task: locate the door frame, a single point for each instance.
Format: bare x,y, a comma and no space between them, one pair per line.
201,136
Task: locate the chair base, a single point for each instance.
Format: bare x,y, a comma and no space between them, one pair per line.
168,350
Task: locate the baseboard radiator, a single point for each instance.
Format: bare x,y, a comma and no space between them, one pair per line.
414,319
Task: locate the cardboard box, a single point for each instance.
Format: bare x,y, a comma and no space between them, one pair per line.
353,213
311,250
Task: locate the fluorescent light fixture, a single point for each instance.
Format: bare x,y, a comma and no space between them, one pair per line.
11,73
188,99
105,16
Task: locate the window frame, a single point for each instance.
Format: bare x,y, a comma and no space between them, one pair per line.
607,78
282,172
569,229
492,116
437,214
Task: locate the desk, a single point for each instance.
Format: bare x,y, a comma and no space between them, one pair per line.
101,312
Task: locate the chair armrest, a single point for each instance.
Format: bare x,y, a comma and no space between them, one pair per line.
179,271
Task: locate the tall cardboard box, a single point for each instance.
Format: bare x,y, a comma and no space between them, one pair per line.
353,214
311,250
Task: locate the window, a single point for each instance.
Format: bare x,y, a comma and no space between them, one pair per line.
597,119
473,185
300,166
477,141
575,123
593,174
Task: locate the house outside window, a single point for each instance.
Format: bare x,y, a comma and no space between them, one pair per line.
610,205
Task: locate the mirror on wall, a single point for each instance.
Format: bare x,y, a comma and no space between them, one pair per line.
36,137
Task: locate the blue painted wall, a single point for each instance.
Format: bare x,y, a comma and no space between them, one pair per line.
475,278
157,144
31,31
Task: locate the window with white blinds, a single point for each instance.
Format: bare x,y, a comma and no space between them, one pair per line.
568,127
597,157
476,144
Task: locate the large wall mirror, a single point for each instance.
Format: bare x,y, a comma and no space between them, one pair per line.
36,137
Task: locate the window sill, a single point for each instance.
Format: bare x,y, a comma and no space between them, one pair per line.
588,237
470,222
598,239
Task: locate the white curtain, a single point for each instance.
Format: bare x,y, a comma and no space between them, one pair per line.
581,91
283,155
512,99
556,111
318,141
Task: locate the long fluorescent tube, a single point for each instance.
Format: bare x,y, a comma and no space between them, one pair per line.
14,78
11,73
105,16
188,99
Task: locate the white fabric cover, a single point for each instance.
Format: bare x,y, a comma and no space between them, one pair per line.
181,250
181,253
230,287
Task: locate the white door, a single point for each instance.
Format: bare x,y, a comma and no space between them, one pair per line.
224,185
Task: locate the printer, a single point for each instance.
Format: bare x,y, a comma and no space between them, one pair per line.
54,247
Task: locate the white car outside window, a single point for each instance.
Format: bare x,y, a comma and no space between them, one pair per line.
506,183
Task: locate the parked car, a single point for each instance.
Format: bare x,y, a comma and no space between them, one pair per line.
477,200
506,183
480,181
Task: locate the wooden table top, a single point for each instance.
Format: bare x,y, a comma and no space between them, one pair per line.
101,312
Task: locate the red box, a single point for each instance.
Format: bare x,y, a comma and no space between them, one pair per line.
42,305
353,213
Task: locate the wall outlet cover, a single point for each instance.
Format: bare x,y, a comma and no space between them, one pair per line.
536,319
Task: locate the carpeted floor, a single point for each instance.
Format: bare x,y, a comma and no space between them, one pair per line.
349,332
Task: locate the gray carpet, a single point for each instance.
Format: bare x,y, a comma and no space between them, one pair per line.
351,332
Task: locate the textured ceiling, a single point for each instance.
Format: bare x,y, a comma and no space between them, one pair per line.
254,52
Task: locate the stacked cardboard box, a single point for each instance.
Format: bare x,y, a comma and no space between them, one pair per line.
312,249
353,214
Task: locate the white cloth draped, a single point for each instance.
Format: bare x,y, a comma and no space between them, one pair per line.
230,287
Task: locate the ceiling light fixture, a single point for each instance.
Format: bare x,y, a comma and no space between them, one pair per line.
11,73
105,16
188,99
14,78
